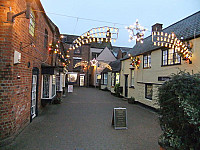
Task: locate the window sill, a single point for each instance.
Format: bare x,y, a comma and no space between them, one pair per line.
149,99
147,68
170,65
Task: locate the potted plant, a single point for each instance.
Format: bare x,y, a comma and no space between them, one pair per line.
179,113
117,90
131,100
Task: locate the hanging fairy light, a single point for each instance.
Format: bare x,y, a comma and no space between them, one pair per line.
95,35
171,41
136,32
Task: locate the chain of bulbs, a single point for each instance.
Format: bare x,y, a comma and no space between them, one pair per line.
136,32
171,41
96,35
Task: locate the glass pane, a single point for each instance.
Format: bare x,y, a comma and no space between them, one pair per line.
53,85
117,78
170,57
149,91
164,57
45,86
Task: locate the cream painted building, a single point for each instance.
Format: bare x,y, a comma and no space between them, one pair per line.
158,63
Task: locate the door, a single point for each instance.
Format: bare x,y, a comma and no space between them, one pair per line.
82,80
126,86
34,93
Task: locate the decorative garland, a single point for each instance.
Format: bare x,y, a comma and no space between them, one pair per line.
135,62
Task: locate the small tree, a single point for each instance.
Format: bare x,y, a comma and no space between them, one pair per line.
179,100
117,90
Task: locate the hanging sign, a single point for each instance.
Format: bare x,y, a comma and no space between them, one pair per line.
119,120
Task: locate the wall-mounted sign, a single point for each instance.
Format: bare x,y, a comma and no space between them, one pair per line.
119,120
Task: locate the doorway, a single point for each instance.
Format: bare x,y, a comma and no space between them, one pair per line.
34,93
126,86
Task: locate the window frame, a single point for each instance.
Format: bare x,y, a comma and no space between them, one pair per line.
148,64
175,55
32,23
146,92
132,78
51,86
105,80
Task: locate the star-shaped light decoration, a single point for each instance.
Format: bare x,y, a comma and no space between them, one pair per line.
136,32
93,62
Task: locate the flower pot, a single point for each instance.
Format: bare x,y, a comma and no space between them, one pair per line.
161,148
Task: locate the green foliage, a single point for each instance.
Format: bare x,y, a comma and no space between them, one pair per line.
117,90
179,100
131,100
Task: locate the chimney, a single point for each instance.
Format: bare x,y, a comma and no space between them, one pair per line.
157,27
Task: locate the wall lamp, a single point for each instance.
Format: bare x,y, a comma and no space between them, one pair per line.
11,16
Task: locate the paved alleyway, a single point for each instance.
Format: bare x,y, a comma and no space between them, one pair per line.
83,121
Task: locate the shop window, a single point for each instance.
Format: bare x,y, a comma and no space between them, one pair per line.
148,91
170,57
105,79
53,85
46,79
72,77
147,61
49,86
32,23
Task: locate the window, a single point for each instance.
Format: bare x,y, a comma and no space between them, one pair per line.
72,77
132,77
78,51
53,93
32,23
113,79
49,86
105,79
58,83
46,39
46,79
95,55
75,61
117,78
148,91
147,61
170,57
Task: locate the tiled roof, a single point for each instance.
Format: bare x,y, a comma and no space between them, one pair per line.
101,45
115,65
69,38
187,28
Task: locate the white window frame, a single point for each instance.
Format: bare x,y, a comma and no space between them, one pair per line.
32,23
50,87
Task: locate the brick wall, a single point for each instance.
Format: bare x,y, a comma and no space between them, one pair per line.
16,79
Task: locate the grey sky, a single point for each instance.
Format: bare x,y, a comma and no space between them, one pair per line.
148,12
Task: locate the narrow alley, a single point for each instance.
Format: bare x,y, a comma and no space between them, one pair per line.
83,122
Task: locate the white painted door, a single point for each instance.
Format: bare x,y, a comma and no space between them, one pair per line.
33,97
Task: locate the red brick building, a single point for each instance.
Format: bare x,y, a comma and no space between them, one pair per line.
30,71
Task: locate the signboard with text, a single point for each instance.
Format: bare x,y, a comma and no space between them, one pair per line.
70,88
119,118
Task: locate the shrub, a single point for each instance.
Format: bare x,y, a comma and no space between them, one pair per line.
117,90
131,100
179,100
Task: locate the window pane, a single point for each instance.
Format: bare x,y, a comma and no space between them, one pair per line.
32,23
117,78
148,91
164,57
145,62
53,85
149,60
46,86
132,77
170,56
105,79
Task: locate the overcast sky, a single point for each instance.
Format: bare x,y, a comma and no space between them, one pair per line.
125,12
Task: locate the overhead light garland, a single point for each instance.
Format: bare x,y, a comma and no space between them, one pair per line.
136,32
135,62
81,63
99,34
160,38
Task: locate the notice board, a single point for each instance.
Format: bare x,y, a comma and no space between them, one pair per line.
119,120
